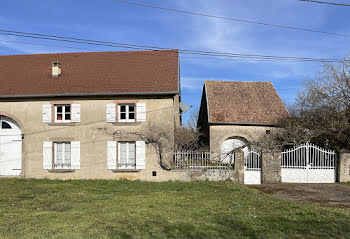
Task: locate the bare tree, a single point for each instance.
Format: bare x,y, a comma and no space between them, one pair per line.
158,136
321,113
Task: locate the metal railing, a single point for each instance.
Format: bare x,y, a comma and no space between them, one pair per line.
198,160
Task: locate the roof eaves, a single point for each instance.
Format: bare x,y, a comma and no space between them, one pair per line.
89,94
242,124
206,98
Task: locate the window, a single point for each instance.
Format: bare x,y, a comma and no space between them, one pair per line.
126,155
62,155
126,113
5,125
62,113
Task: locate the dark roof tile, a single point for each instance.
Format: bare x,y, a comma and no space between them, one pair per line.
90,73
240,102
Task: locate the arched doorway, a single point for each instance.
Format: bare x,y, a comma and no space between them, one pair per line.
229,145
10,147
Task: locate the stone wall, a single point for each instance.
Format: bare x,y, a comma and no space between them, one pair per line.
344,167
271,167
209,174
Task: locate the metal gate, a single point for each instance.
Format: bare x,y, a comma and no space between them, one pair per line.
252,168
308,163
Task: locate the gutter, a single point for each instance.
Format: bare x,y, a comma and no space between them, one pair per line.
242,124
89,94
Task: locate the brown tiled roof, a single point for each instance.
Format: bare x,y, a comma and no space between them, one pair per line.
238,102
90,73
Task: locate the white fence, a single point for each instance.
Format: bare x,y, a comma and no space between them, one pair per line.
198,160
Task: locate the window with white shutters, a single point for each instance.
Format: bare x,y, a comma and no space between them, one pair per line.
63,113
126,113
69,113
126,155
62,155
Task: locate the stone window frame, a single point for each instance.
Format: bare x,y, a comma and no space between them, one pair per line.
125,102
53,115
57,170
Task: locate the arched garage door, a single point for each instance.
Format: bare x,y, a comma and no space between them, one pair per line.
10,147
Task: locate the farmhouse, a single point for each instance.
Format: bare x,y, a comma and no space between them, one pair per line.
59,113
234,113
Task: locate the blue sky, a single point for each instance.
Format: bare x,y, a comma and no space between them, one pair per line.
108,20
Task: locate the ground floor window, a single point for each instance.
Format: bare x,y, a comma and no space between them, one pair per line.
62,155
126,155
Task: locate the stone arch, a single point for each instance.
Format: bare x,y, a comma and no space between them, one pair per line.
228,145
14,118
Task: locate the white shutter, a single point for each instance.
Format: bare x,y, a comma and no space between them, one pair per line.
47,155
75,155
111,155
47,113
140,155
141,112
111,112
75,113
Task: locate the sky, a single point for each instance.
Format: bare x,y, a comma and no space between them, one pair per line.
108,20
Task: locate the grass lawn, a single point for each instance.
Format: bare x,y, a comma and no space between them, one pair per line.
126,209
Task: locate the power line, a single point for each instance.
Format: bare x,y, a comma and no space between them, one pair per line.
233,19
329,3
183,51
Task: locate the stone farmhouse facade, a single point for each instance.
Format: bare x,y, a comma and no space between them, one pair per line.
59,112
234,113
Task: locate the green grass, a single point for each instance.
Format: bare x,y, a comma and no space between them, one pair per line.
126,209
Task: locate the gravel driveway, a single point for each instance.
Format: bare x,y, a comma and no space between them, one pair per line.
327,195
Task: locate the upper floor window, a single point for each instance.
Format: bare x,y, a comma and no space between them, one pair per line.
126,113
62,113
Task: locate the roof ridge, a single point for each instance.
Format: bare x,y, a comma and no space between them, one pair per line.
92,52
237,81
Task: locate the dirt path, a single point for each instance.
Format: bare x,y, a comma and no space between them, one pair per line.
327,195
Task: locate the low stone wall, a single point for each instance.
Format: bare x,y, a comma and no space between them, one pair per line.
271,167
211,175
344,167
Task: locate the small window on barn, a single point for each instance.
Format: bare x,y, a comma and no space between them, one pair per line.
5,125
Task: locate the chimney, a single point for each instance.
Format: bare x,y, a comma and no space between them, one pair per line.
56,69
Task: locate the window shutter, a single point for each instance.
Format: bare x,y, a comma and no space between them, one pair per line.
47,113
47,155
111,155
111,112
75,113
75,155
141,112
140,155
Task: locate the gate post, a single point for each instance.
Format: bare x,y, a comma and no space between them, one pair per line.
344,167
271,167
239,166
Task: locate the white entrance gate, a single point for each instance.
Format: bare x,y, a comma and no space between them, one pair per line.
308,163
10,147
252,168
